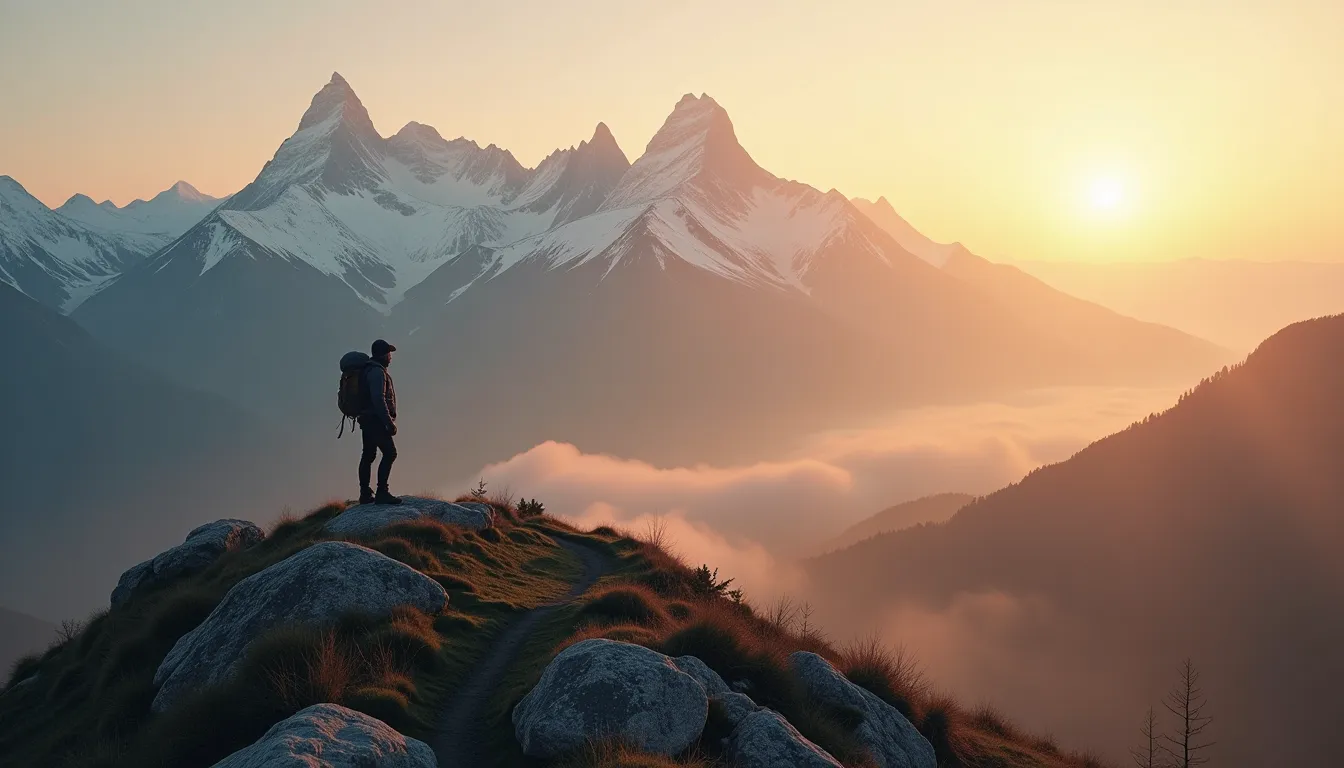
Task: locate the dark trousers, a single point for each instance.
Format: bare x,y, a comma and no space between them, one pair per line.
376,439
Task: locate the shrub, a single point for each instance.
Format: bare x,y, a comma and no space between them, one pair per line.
533,508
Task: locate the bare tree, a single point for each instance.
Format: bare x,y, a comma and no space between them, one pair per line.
1186,701
1150,755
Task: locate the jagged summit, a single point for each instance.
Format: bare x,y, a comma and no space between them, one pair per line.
574,182
696,142
602,135
336,98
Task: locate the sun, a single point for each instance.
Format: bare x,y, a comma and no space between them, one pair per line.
1107,194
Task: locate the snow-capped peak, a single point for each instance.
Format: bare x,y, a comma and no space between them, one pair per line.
335,144
336,100
697,141
184,191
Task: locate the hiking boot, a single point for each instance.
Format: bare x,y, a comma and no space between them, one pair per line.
385,497
366,496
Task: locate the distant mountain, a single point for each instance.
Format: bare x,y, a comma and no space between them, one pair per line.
560,302
54,259
62,257
1235,303
163,217
930,509
1211,530
20,635
106,462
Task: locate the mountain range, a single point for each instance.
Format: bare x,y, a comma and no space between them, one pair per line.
1210,530
61,257
561,302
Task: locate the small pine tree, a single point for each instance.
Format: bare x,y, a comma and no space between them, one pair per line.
478,493
705,583
530,508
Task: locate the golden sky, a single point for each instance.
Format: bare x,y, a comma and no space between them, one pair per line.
1056,129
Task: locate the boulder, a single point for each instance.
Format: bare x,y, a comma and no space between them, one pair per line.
602,688
892,740
764,739
202,547
331,736
736,706
706,677
314,586
366,519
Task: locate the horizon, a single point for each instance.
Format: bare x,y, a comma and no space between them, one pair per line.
1108,141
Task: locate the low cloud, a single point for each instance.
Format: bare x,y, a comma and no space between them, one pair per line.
792,503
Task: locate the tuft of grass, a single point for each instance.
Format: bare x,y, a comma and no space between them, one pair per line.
625,604
891,675
987,719
941,724
23,668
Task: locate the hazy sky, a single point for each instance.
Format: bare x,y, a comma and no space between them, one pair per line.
1025,128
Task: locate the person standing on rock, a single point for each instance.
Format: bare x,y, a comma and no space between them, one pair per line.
378,422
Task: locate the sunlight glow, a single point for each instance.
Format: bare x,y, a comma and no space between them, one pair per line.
1106,194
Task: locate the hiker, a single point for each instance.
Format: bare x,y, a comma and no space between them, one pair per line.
365,380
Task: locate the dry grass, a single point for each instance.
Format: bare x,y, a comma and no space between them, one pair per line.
611,754
625,604
891,674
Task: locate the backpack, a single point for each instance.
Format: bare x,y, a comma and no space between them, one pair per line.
351,397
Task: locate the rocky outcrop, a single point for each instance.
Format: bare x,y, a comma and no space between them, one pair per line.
202,547
892,740
315,586
764,739
600,689
366,519
331,736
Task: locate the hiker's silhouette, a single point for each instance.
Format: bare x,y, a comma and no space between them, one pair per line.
368,395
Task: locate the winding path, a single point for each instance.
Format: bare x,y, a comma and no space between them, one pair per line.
462,737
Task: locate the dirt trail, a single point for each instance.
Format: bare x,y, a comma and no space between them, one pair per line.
462,735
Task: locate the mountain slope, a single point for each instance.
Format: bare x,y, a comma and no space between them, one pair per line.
910,238
1234,303
1211,530
930,509
99,456
1106,340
